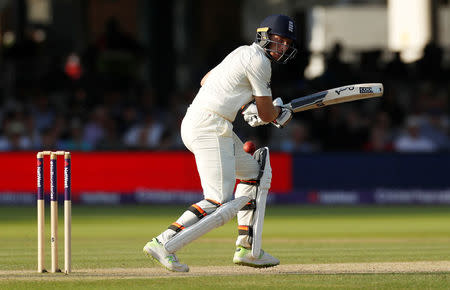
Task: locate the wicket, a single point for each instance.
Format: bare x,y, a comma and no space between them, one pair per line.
54,210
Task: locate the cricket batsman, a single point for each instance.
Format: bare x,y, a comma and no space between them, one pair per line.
243,77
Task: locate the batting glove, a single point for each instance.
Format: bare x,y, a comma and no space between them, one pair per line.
284,116
251,116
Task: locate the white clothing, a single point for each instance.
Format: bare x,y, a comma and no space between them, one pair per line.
244,73
152,138
407,143
207,131
219,153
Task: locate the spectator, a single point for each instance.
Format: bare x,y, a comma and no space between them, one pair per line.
435,127
49,140
412,139
111,139
15,138
381,134
298,139
378,141
145,135
42,112
127,119
75,141
354,133
31,131
94,131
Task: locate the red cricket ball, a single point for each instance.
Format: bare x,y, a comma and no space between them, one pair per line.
249,147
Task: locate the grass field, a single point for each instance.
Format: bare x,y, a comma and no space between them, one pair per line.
395,247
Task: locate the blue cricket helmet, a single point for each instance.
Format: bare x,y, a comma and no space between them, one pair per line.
281,25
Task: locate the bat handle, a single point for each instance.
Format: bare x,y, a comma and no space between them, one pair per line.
288,106
276,125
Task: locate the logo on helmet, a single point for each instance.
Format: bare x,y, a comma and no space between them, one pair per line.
291,26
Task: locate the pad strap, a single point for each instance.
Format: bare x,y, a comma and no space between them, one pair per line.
176,227
251,205
213,202
216,219
250,182
245,231
198,211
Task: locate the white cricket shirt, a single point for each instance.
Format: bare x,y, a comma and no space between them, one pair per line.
244,73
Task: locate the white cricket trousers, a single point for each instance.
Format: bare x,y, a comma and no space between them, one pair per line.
218,151
220,159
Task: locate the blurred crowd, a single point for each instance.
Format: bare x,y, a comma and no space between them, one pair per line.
96,100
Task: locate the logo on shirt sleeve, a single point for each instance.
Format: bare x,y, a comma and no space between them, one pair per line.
268,85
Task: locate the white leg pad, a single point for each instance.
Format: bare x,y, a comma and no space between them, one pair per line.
218,218
261,197
246,217
258,224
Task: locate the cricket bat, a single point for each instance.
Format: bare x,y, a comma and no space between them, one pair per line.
336,96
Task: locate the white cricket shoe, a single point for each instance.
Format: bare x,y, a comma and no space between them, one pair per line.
244,257
156,250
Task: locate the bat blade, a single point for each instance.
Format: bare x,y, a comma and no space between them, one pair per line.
336,96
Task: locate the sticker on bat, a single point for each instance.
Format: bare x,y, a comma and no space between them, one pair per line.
365,90
340,90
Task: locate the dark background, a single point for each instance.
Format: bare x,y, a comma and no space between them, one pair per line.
119,75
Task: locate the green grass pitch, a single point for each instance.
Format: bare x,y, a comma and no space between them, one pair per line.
319,247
